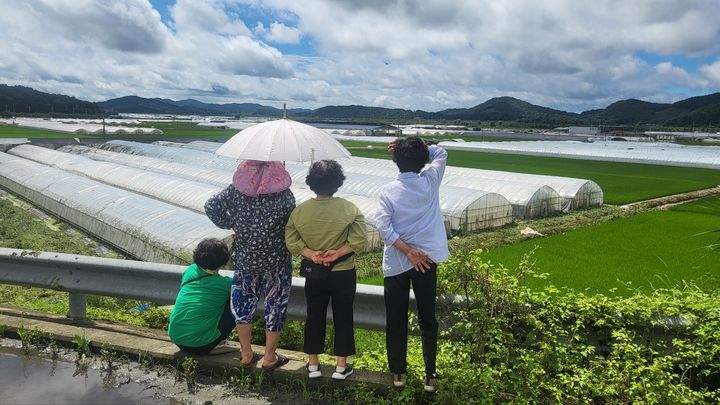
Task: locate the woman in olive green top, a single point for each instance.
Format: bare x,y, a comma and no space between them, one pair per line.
327,230
201,317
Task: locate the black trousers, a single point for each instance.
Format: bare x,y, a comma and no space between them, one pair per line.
338,286
226,324
397,294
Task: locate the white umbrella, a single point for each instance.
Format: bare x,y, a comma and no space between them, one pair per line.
283,140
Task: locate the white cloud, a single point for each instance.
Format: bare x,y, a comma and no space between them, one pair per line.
418,54
712,71
282,34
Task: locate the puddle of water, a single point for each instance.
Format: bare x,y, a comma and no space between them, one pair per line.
37,380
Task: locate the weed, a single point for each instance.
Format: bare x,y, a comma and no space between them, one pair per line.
189,370
82,345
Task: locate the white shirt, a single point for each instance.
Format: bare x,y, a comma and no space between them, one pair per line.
409,210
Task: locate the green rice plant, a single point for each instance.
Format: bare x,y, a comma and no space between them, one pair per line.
655,249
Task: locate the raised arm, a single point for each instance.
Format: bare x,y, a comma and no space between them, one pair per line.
438,161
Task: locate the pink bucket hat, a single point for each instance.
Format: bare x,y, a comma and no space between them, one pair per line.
254,177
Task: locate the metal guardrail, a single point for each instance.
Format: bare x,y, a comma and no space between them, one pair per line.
153,282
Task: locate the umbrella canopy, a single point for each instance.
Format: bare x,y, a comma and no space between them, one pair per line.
283,140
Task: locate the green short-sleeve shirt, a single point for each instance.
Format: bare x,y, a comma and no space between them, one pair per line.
198,308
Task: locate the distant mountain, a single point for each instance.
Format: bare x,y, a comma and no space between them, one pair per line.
694,111
24,100
359,112
702,111
135,104
510,109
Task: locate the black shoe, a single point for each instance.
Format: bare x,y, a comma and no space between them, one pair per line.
345,374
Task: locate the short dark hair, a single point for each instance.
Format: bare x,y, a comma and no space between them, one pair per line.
410,154
211,254
325,177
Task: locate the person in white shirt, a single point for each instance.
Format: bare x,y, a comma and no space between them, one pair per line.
411,226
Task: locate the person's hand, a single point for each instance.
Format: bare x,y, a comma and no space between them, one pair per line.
315,256
419,260
391,146
330,256
318,257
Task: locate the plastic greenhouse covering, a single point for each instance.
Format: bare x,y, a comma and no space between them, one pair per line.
631,152
576,193
173,189
528,200
464,209
212,178
80,128
141,226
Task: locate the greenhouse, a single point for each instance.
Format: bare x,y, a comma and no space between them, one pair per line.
576,193
464,209
528,200
143,227
631,152
173,189
212,179
80,128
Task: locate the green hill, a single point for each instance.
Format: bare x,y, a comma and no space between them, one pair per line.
21,100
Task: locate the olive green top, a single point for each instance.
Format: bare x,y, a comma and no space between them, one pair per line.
325,225
198,308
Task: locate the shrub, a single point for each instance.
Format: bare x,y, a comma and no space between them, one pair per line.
506,343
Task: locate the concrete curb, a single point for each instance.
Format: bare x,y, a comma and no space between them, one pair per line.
139,341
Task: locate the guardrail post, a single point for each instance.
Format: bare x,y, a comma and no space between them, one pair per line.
78,306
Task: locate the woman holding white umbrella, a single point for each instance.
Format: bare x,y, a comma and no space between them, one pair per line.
257,206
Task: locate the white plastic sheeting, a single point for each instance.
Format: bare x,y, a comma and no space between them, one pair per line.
528,200
145,228
173,189
219,178
576,193
83,128
631,152
464,209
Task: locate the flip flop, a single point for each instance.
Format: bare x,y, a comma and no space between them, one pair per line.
253,361
281,361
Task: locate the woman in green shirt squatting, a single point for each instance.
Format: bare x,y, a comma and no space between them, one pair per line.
326,231
201,318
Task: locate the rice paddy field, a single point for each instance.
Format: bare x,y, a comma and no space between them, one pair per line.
654,249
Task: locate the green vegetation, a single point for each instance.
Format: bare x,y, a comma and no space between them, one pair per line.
621,182
190,129
508,343
26,101
649,250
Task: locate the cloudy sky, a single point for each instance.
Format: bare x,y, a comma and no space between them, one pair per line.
415,54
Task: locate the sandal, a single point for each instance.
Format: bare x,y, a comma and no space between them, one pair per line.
281,361
255,358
